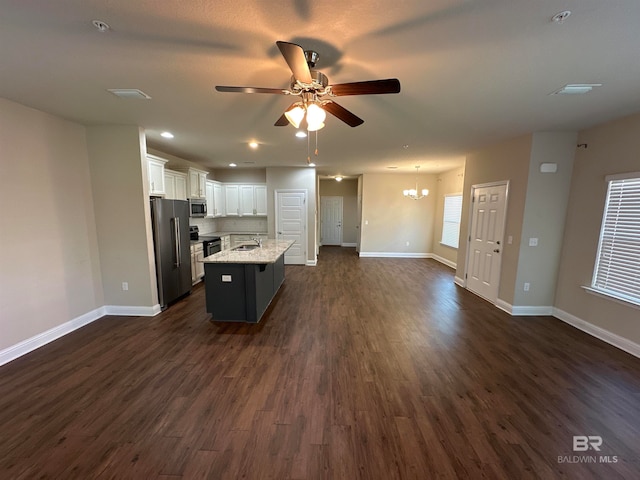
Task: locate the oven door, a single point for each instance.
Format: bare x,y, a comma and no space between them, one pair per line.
211,247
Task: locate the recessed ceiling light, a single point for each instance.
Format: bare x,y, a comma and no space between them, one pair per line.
561,17
576,88
129,93
301,134
253,144
312,164
338,178
166,135
233,165
101,26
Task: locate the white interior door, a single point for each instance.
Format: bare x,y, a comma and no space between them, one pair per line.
331,220
484,256
291,224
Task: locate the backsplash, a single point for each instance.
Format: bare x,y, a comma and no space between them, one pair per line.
230,224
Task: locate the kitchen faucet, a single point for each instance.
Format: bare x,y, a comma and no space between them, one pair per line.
258,240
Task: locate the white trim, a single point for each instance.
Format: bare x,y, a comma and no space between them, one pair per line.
41,339
349,244
312,263
460,282
598,332
611,297
394,255
621,176
524,310
132,311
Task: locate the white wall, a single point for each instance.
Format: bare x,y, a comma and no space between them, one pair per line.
612,148
393,220
49,262
450,182
117,155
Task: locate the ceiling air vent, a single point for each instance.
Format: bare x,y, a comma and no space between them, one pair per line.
129,93
576,88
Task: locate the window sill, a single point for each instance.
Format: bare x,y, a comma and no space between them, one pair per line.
612,297
447,245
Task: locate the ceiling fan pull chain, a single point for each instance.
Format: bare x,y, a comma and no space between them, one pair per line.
316,152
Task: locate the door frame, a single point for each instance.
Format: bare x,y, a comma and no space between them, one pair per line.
305,214
469,224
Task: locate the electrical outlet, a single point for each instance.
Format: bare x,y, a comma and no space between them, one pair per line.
533,242
125,286
510,239
526,287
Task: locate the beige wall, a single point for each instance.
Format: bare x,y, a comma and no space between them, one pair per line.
612,148
544,217
394,220
117,157
447,183
348,190
506,161
49,263
283,178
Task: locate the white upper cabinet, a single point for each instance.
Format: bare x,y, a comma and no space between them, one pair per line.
246,200
260,197
197,183
210,199
218,200
232,200
175,185
156,175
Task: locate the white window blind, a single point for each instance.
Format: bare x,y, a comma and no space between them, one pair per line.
617,271
451,220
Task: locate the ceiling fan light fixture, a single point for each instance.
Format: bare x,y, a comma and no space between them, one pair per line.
315,117
295,115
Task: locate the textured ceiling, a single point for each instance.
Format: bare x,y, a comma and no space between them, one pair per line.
472,72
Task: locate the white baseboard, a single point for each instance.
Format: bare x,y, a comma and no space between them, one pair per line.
444,261
460,282
524,310
349,245
41,339
312,263
131,311
394,255
600,333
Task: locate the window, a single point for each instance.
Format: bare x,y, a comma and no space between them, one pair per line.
617,271
451,220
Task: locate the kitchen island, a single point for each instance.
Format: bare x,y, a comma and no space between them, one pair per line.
240,283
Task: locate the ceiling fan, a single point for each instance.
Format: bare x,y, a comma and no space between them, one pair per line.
312,86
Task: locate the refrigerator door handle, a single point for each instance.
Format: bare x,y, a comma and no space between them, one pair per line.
176,224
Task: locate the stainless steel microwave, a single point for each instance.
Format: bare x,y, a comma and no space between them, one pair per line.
197,207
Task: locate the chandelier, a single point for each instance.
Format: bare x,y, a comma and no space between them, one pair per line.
412,193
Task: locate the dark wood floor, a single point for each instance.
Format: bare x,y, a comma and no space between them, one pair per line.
361,369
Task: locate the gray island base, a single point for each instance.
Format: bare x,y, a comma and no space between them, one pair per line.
240,284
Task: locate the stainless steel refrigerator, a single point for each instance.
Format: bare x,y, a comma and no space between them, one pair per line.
170,219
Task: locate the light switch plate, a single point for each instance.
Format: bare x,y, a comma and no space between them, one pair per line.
533,242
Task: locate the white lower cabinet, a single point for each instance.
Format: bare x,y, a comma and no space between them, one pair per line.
197,265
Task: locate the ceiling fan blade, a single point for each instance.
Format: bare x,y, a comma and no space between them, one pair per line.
343,114
372,87
277,91
282,121
294,56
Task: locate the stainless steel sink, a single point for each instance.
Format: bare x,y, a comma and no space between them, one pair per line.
245,248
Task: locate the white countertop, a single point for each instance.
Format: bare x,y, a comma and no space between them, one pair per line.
268,253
